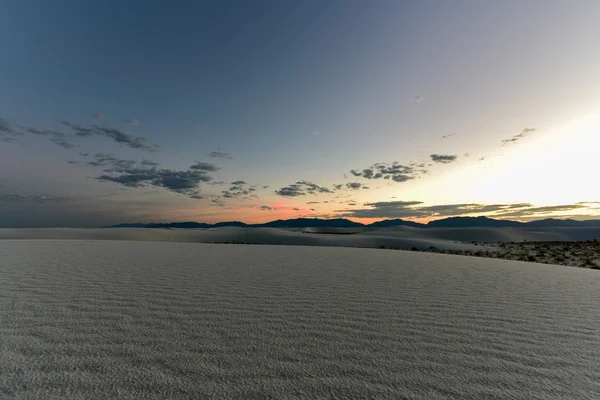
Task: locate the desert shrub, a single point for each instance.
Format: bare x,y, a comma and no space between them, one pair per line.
531,258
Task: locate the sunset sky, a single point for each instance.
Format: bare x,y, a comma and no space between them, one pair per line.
152,111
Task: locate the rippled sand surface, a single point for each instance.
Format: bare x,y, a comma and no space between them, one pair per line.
110,319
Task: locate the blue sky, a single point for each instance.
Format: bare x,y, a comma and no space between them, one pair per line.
287,92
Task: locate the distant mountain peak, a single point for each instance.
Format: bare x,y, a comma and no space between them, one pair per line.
451,222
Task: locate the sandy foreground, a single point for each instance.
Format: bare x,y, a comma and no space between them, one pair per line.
115,319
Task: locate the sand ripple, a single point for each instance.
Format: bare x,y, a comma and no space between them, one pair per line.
108,319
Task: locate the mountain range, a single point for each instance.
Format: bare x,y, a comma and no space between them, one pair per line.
452,222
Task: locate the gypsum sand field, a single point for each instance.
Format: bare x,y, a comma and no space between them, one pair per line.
578,247
109,319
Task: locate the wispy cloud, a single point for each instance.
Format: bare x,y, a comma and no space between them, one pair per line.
32,198
98,116
63,142
148,163
56,137
131,121
419,99
520,136
119,136
220,154
109,160
447,136
266,208
8,133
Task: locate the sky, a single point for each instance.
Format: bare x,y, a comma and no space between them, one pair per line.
153,111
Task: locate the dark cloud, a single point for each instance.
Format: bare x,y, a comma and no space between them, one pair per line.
302,188
119,136
542,210
312,202
414,209
296,209
84,154
182,182
338,187
131,173
132,121
520,136
220,154
447,136
471,208
266,208
202,166
353,185
239,191
395,171
443,158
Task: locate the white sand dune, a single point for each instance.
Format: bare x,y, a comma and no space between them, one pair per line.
397,237
115,320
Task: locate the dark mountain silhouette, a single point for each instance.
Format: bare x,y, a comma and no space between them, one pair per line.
312,223
395,222
471,222
452,222
229,223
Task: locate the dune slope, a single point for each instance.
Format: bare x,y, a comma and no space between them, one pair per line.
111,319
